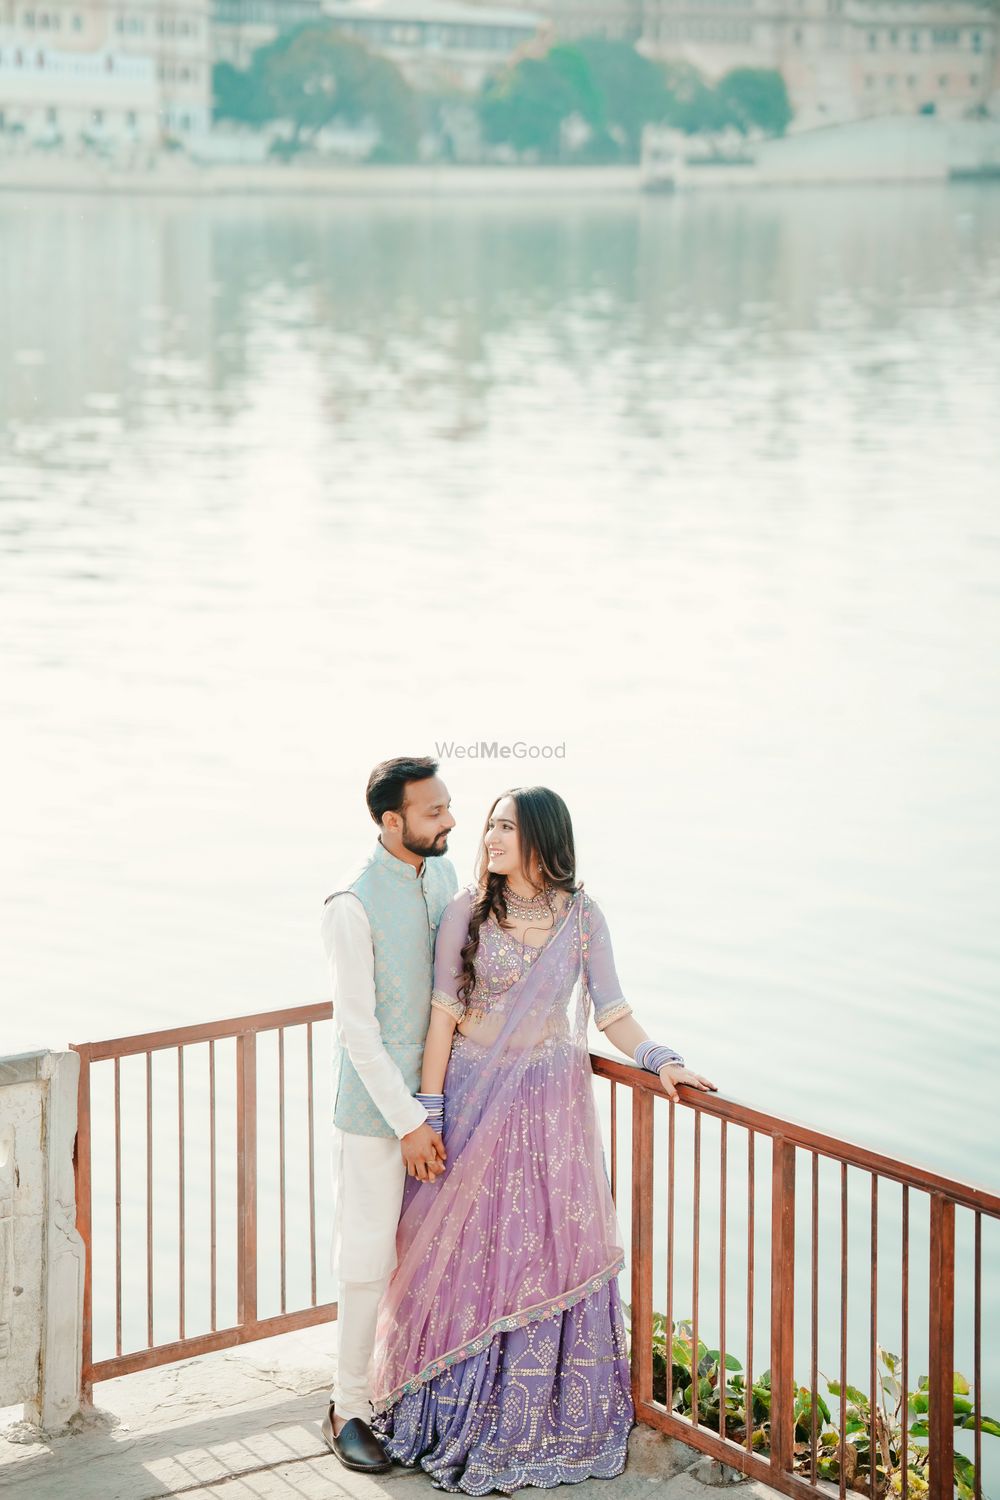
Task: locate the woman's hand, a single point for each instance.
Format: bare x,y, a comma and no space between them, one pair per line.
423,1153
671,1074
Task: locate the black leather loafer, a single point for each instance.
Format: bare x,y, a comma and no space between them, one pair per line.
356,1445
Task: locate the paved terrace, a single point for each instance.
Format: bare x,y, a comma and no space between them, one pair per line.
243,1424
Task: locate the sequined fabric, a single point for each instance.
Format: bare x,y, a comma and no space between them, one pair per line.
500,1353
502,960
545,1405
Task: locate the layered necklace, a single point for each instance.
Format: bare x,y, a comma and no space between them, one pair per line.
527,908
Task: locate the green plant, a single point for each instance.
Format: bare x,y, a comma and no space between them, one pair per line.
895,1408
674,1349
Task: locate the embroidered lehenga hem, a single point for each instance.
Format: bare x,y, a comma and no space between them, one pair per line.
554,1307
543,1405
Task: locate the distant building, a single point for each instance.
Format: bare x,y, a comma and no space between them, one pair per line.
445,43
239,27
48,96
132,71
433,42
617,20
904,55
841,59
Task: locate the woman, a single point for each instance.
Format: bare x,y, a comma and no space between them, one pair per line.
500,1356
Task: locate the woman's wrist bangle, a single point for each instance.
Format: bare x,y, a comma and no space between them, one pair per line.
652,1057
433,1105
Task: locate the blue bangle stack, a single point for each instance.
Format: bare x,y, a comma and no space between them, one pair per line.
434,1105
651,1057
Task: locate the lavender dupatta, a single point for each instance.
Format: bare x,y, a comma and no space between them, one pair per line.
522,1224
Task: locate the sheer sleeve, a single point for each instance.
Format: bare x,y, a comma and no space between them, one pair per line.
451,937
602,976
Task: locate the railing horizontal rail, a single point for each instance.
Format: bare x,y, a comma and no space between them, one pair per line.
805,1136
202,1031
209,1343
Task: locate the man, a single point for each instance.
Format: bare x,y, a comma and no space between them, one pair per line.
378,931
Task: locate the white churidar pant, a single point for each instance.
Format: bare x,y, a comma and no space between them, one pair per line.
368,1181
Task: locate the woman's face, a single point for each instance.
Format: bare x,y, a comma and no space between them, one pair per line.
503,846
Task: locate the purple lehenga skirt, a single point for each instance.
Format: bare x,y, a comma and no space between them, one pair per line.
544,1403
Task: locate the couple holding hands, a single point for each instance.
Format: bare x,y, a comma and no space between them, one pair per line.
475,1239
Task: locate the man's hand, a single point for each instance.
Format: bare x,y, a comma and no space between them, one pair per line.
424,1153
670,1075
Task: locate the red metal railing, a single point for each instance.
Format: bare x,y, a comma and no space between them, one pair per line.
242,1255
790,1145
656,1183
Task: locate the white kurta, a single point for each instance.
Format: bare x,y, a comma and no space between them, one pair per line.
368,1171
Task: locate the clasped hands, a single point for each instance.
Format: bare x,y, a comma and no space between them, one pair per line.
423,1153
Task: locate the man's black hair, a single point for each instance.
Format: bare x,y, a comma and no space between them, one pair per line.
386,790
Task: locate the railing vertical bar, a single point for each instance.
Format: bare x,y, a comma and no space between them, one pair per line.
642,1245
905,1353
814,1321
782,1303
149,1199
873,1408
977,1354
246,1177
723,1172
842,1450
180,1190
213,1225
671,1142
941,1375
282,1228
614,1140
118,1206
695,1265
748,1387
84,1217
312,1163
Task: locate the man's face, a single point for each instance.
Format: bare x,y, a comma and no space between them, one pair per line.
427,820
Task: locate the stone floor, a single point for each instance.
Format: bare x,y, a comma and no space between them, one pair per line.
244,1425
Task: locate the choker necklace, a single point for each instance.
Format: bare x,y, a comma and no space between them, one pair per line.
526,908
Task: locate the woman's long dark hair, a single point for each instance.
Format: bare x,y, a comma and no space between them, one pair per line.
545,830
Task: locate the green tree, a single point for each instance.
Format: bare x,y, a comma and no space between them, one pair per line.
314,76
633,90
237,95
525,107
695,106
756,98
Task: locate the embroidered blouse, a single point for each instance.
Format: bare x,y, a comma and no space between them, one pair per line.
502,959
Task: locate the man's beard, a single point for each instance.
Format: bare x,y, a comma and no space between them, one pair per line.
425,851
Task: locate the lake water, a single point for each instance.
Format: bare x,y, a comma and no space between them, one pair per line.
707,492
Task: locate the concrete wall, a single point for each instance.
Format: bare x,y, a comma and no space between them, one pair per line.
41,1254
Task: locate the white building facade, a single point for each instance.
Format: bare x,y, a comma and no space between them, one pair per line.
841,59
442,43
51,97
105,73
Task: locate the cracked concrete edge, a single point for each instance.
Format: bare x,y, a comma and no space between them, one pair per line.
654,1455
